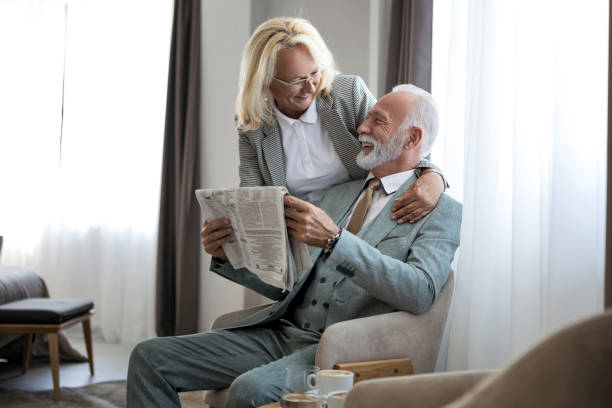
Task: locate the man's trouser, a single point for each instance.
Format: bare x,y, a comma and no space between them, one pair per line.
252,360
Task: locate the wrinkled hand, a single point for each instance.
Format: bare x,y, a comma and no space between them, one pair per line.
308,223
420,198
214,234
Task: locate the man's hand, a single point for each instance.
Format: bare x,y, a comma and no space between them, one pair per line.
308,223
214,234
420,198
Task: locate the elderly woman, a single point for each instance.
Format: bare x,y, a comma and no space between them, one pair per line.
297,119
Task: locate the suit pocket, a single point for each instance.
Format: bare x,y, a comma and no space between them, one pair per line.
396,247
392,237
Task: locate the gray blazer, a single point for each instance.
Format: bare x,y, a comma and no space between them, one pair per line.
386,267
262,160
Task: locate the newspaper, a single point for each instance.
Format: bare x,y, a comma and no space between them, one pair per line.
259,241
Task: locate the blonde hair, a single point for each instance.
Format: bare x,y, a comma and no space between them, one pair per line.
257,69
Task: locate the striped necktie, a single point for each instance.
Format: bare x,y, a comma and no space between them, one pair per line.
363,206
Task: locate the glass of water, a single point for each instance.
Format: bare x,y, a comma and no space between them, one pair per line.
300,388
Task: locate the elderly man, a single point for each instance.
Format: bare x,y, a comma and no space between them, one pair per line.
366,264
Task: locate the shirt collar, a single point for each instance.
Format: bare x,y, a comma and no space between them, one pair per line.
393,182
310,116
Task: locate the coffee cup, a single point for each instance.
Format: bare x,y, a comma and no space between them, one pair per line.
329,381
336,399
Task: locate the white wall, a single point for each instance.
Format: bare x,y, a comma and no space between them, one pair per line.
343,24
225,30
356,32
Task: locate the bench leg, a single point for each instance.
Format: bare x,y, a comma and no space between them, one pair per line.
54,357
87,334
27,352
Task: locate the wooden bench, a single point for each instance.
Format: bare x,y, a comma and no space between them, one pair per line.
49,316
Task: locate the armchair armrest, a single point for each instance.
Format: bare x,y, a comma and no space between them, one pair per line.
232,318
382,337
415,391
390,335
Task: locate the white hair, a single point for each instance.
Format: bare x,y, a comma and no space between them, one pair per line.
423,114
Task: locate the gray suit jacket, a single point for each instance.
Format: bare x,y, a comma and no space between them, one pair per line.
386,267
262,161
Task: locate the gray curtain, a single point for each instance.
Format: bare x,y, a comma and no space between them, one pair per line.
178,251
409,59
608,275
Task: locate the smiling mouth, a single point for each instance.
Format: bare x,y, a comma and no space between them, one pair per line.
366,147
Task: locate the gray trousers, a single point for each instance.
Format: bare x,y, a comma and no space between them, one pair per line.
251,361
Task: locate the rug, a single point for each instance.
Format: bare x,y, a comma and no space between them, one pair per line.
109,394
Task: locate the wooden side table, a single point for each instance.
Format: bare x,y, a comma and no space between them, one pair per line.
367,370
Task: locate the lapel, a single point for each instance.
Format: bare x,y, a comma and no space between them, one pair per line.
346,145
337,203
380,226
340,201
272,147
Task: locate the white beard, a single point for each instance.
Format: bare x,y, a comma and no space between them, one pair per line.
381,153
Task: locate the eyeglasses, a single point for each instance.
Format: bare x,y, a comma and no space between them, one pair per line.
299,83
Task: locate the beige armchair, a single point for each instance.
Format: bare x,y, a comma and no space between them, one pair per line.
571,368
388,336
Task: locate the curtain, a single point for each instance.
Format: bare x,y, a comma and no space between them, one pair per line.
81,130
523,107
608,289
178,251
409,59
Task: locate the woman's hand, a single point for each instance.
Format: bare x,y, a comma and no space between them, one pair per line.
420,198
214,234
308,223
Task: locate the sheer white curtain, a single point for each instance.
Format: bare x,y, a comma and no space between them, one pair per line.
522,87
85,216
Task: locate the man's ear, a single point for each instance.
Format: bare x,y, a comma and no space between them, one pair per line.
415,135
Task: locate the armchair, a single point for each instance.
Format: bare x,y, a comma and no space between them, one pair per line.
571,368
414,391
381,337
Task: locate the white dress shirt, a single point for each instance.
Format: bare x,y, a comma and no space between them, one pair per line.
311,162
381,197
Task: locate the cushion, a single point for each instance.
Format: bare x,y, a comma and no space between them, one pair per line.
43,310
18,283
